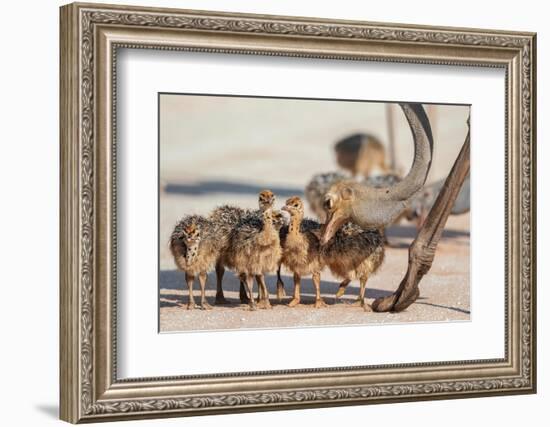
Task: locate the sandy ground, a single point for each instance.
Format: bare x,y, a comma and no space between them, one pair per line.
208,157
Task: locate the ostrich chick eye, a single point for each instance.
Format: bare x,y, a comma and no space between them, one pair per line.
328,204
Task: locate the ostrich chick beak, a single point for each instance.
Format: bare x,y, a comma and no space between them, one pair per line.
334,221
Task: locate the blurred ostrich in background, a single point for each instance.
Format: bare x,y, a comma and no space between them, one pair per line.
362,155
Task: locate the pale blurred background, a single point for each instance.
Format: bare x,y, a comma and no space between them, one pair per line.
285,141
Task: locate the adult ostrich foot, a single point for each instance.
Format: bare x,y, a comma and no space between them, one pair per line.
422,250
384,304
396,302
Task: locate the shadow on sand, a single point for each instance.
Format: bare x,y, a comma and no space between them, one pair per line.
401,236
208,187
174,280
446,307
409,232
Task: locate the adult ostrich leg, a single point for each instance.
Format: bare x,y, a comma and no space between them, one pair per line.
422,249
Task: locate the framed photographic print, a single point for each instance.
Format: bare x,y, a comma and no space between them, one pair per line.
265,212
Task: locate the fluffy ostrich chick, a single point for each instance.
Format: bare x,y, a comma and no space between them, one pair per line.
301,250
225,218
195,248
254,248
354,254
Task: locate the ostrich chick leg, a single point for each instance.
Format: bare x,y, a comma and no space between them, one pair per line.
243,296
296,300
319,303
250,286
422,250
260,296
204,302
342,288
190,278
220,298
360,301
281,293
263,294
362,289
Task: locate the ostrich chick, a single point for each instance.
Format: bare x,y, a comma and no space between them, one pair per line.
280,224
255,249
354,254
301,250
225,218
195,247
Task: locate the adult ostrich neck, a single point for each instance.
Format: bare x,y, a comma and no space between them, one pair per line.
423,149
375,207
372,207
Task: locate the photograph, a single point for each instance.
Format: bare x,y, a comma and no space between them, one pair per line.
256,230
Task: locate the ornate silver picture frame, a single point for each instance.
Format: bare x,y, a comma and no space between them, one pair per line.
91,35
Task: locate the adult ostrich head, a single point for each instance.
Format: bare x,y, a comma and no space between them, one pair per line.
377,207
